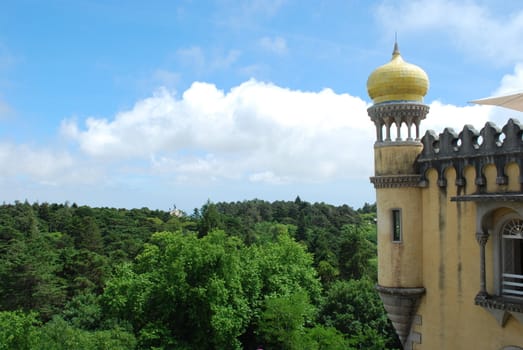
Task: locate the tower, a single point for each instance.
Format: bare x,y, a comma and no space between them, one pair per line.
397,90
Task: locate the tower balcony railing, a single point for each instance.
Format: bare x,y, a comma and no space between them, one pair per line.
392,117
512,285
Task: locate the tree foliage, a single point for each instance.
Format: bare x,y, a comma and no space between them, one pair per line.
353,307
203,293
285,275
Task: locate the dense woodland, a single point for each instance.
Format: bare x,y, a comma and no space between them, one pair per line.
281,275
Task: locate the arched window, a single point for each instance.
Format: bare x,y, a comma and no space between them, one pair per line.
511,236
504,222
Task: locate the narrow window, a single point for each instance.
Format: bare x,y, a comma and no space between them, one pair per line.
512,258
396,225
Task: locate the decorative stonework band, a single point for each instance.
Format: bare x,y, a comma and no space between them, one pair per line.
500,308
498,303
395,181
398,109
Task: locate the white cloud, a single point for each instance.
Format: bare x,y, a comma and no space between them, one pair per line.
511,83
268,177
165,77
256,131
276,45
192,56
442,116
470,25
214,143
252,70
224,61
44,166
207,61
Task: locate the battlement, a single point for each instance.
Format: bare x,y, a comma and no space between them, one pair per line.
490,146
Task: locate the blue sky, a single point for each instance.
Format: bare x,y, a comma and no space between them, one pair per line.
162,103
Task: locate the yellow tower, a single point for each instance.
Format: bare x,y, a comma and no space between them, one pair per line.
397,90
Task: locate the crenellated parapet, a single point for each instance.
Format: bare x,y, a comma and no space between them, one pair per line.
490,146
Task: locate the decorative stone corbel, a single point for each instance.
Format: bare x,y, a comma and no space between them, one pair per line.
401,305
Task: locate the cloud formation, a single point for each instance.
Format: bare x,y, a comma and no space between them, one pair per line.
511,83
443,115
205,61
472,27
257,132
41,165
255,135
276,45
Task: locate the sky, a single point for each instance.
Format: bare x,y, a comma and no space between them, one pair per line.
158,104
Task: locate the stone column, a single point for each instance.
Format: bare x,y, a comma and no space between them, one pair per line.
482,239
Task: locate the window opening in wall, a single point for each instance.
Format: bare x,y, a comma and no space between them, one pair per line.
512,258
396,225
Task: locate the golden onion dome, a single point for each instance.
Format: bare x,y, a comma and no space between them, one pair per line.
397,81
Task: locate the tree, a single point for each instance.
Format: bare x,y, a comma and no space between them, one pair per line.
60,335
83,311
355,309
210,219
327,273
184,291
94,275
324,338
206,293
355,253
282,324
28,272
87,234
18,330
285,267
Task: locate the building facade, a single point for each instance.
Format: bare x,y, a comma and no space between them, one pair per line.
450,221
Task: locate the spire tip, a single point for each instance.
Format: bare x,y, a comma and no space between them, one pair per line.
396,49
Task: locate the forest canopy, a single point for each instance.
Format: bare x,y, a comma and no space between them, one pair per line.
243,275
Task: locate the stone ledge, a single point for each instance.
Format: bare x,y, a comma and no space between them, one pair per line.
395,181
501,307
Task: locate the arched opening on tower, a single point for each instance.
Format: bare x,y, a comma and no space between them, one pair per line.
405,132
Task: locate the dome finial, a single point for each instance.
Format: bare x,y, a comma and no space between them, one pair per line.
396,50
397,81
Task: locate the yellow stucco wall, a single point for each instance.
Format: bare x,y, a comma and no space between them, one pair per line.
395,159
395,267
395,263
451,273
